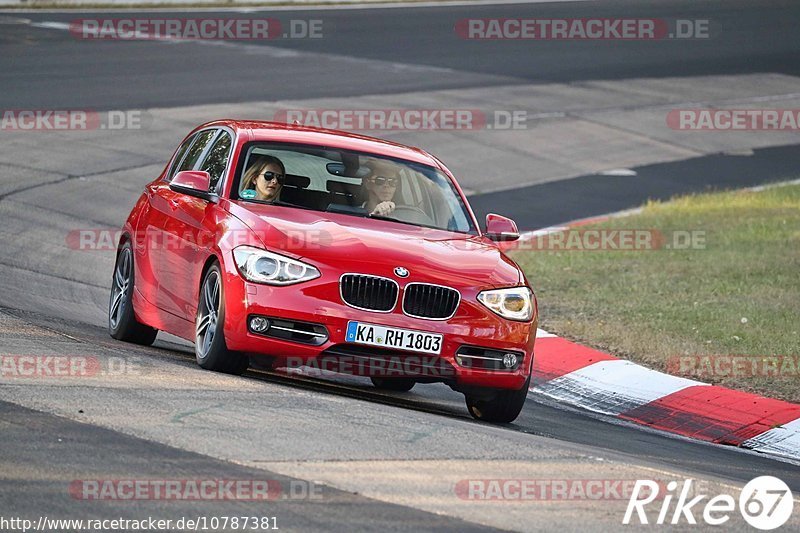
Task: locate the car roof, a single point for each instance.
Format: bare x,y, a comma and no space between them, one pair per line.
292,133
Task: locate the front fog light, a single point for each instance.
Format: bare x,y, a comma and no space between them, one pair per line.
510,360
259,324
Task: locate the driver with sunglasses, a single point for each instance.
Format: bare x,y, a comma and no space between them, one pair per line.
264,179
381,185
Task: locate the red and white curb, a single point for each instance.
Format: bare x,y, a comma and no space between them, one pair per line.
577,375
580,376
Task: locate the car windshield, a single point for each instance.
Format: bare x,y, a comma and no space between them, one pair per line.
351,183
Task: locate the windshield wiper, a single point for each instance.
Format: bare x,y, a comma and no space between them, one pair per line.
390,219
415,224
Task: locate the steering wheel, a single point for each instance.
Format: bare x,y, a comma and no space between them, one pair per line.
410,213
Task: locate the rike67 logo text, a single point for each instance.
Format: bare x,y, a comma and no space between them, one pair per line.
765,503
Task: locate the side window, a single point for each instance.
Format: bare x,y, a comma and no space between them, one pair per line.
178,156
194,153
217,158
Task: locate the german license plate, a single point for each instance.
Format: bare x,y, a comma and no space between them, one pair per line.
396,338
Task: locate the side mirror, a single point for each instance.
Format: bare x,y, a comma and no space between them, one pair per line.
500,228
192,182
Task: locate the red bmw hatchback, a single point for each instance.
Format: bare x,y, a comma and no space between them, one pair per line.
310,247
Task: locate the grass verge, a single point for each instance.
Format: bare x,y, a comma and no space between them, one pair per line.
725,310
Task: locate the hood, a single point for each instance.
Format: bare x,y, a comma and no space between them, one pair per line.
364,245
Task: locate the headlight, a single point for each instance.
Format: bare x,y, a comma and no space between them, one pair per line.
515,303
261,266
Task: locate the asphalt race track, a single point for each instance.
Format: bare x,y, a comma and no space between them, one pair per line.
380,460
747,39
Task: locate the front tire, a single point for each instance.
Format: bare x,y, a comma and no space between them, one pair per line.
122,323
503,408
209,347
393,384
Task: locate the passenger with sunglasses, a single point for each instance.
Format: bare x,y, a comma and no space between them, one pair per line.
381,186
264,179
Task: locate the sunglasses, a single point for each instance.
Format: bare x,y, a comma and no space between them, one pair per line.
269,176
381,180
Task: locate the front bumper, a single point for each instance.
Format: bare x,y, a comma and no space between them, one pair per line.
318,302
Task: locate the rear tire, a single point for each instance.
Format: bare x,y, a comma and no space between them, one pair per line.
209,346
503,408
122,323
394,384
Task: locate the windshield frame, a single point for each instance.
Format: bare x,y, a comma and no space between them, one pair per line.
246,148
